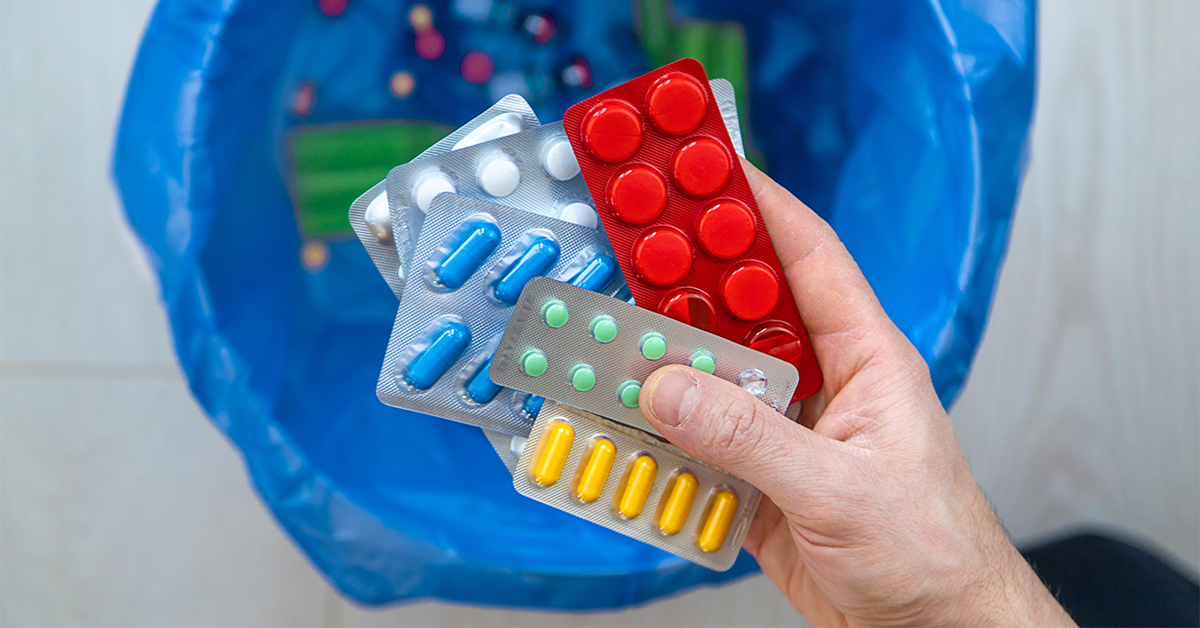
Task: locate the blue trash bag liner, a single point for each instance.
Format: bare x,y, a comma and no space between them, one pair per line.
902,122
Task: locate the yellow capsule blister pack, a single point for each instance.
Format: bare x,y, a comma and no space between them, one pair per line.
631,482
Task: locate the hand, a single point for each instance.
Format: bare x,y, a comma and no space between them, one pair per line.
871,514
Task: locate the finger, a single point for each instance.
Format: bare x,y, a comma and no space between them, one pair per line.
717,422
837,304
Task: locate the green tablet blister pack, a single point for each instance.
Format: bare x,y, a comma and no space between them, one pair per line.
593,352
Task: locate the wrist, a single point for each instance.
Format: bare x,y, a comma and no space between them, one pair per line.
1011,593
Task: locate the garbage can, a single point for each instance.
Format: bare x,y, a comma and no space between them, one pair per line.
250,125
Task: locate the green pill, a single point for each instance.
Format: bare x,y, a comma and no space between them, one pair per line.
703,361
583,377
653,345
533,362
555,313
604,328
628,392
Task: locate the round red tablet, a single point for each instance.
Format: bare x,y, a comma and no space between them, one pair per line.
777,340
676,103
662,256
750,291
612,131
726,229
637,194
690,307
701,167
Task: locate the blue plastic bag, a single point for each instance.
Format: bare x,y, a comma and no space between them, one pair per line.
902,122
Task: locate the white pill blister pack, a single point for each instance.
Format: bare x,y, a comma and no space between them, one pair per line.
370,215
637,485
469,267
593,352
524,171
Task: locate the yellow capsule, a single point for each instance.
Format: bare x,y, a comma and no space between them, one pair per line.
552,453
637,486
595,471
678,504
716,526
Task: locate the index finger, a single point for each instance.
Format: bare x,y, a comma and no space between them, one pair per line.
837,304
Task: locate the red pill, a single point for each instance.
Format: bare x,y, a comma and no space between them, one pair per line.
750,291
612,131
663,256
676,103
701,167
726,229
777,340
690,307
637,195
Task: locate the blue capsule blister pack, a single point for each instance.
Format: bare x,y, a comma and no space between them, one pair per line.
370,215
468,269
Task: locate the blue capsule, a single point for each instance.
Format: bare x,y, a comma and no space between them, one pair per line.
480,388
540,256
533,405
445,348
596,273
469,250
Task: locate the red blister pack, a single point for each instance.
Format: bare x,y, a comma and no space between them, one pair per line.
682,220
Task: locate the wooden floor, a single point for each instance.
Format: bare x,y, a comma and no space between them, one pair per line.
119,503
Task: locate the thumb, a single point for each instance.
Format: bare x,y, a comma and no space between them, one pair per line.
715,421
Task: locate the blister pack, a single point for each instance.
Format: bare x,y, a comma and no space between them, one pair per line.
534,170
631,482
370,215
593,352
508,447
680,214
469,268
726,99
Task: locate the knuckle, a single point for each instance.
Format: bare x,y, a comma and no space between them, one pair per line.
737,426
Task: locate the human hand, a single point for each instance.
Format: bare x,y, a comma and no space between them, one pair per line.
871,514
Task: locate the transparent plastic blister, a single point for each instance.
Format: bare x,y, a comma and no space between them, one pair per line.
370,215
637,485
443,337
593,352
